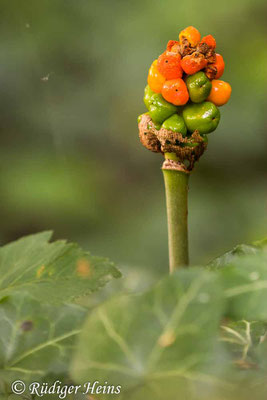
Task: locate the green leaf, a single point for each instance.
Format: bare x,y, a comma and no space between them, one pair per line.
237,252
36,339
54,272
245,343
244,277
156,345
262,244
243,339
245,283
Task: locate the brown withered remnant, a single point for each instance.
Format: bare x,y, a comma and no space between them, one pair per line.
211,71
185,48
198,57
175,166
188,149
211,56
202,50
148,134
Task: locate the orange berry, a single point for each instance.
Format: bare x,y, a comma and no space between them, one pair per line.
175,92
209,40
219,64
172,46
220,92
192,64
169,65
155,80
191,34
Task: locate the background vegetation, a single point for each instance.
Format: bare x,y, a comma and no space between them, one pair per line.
72,75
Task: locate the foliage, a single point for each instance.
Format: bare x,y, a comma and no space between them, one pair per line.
38,328
161,339
48,270
198,334
194,335
36,339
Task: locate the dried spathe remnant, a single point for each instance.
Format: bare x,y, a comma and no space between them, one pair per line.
199,52
173,142
185,48
202,50
147,134
175,166
211,56
211,71
186,148
189,148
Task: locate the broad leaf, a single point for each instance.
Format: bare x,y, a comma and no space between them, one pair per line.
232,255
52,271
244,277
245,343
36,340
156,345
262,244
245,283
243,338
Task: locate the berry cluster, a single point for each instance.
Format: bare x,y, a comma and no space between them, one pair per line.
169,74
183,95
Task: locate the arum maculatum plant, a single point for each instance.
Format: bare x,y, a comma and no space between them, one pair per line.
182,97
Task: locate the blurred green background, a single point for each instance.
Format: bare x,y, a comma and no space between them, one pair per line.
72,75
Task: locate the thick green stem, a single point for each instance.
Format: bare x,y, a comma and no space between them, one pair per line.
176,186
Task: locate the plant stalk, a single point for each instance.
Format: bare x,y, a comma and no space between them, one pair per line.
176,187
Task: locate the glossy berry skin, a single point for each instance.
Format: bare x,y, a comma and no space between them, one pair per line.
210,41
175,124
159,109
175,92
203,117
220,92
155,79
219,64
192,64
199,87
169,65
191,34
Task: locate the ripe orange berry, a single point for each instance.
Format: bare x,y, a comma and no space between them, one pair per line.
172,46
155,80
191,34
220,92
209,40
192,64
169,65
175,92
219,64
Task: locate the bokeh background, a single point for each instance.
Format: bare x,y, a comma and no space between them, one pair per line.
72,75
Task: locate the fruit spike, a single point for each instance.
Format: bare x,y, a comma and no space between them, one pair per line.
182,97
183,94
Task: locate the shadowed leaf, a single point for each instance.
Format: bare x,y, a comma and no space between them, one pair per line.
156,344
56,271
35,339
